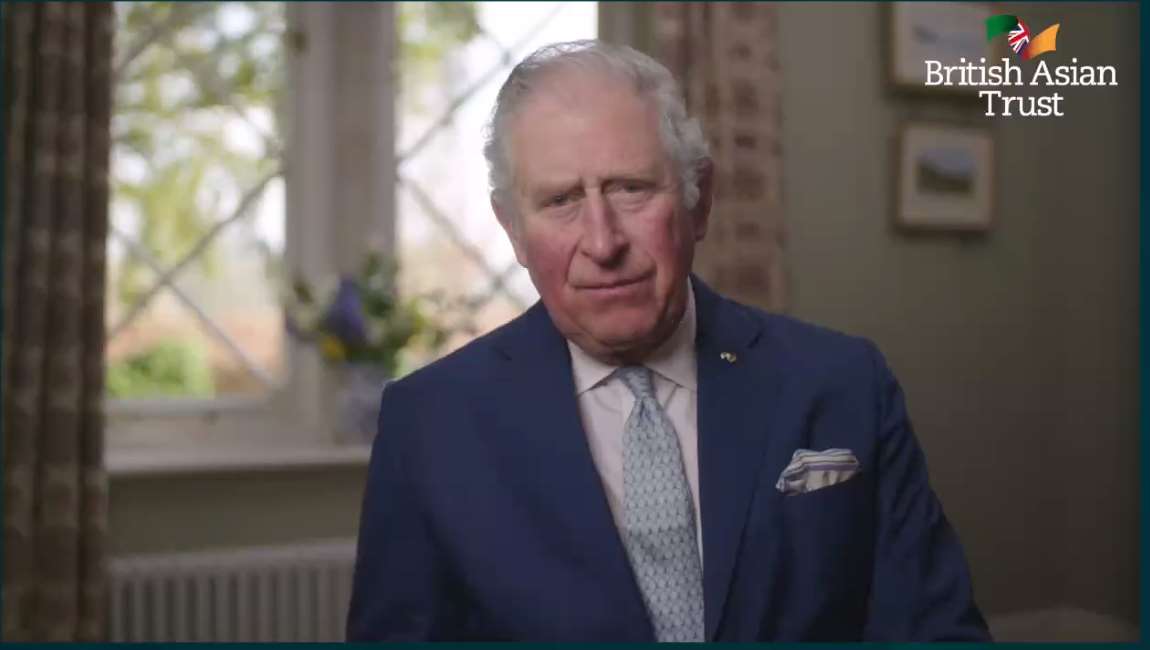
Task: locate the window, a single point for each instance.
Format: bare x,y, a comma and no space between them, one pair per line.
253,141
197,229
197,223
449,242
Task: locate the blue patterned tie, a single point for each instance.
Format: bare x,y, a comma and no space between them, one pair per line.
659,517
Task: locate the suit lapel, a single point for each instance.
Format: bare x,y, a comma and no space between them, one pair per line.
736,403
547,431
738,398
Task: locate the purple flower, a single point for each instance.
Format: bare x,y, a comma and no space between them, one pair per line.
345,318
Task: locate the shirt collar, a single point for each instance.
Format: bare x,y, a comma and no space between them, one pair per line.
674,360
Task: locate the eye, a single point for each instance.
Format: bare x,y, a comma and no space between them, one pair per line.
629,193
563,199
558,200
628,186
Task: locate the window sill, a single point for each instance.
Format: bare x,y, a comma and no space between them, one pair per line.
143,462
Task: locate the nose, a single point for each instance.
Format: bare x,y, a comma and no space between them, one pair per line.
602,241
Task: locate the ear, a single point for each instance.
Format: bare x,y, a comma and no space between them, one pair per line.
701,213
510,223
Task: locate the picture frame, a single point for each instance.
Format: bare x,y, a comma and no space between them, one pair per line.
945,179
945,32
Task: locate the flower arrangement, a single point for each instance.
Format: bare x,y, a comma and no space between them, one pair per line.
361,320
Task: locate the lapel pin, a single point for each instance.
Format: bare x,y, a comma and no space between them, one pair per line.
728,357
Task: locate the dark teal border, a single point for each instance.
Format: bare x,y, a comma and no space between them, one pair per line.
3,250
1144,339
1144,393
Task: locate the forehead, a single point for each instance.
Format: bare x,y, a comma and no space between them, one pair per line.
584,123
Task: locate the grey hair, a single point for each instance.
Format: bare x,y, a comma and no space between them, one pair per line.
682,137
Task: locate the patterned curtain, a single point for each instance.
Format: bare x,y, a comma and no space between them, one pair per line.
57,91
724,55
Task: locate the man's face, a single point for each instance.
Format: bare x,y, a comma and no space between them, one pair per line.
598,217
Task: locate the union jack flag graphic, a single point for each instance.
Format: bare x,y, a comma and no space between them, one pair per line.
1018,37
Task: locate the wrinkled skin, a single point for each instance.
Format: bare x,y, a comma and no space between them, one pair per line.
598,218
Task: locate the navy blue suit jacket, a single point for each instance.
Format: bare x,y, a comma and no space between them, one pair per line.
485,518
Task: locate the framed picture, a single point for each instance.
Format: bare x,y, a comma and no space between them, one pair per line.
937,31
945,178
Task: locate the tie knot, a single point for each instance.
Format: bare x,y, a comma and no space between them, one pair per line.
638,379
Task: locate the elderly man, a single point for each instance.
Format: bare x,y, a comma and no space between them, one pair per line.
637,458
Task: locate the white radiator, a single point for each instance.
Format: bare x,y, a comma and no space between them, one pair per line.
283,593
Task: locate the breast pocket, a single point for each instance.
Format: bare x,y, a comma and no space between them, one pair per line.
843,505
831,530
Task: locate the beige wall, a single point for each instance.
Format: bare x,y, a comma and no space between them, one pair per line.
225,509
1018,351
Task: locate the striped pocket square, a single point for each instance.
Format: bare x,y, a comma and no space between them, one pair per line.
813,470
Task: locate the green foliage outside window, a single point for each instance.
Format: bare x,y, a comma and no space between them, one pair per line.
170,368
184,69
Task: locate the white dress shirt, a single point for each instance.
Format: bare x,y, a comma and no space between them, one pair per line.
605,402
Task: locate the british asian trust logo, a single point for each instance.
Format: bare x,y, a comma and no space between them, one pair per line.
1006,73
1018,36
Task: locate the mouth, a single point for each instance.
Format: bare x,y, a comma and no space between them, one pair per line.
615,286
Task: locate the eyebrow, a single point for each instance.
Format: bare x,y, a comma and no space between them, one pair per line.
549,188
546,190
